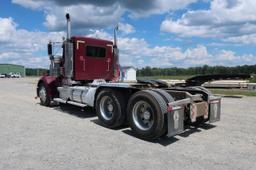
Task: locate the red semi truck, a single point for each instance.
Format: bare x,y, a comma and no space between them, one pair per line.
86,74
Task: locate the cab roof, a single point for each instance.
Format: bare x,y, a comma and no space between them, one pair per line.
92,40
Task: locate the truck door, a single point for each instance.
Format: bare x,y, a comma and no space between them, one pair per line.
94,62
79,61
98,61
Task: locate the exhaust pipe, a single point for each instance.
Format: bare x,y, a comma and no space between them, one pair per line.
68,26
68,54
116,66
115,40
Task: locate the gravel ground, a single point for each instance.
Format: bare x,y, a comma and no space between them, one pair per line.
37,137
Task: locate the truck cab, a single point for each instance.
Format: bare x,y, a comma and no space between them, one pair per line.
93,59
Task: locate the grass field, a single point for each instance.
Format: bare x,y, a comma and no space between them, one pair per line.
253,79
166,77
234,92
224,92
183,77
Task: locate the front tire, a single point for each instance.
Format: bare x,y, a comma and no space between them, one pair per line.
44,97
110,108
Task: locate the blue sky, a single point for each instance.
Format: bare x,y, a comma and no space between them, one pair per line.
156,33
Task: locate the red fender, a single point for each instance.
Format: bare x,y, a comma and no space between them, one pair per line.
51,83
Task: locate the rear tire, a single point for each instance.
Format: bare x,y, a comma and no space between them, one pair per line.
110,108
45,99
146,111
168,98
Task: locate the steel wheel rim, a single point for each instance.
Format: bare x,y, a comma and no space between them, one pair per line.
143,116
42,94
106,108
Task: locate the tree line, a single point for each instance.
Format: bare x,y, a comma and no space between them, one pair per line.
36,71
173,71
202,70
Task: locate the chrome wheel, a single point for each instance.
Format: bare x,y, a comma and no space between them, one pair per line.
42,94
142,114
110,108
106,107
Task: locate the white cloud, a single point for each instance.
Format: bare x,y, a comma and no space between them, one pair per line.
33,4
126,28
200,52
144,8
139,53
83,16
7,29
183,30
232,20
98,14
19,46
245,39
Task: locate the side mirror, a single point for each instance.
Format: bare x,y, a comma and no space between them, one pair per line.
50,49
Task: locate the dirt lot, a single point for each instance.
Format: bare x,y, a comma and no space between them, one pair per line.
37,137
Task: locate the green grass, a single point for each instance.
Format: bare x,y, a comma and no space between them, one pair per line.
234,92
253,79
166,77
225,92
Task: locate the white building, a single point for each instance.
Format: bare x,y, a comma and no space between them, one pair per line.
128,73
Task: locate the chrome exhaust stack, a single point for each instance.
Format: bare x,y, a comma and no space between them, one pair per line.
68,53
115,40
116,56
68,26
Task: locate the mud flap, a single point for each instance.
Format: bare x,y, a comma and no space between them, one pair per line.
175,121
215,110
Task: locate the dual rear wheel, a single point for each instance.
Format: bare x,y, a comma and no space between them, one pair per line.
110,108
145,111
